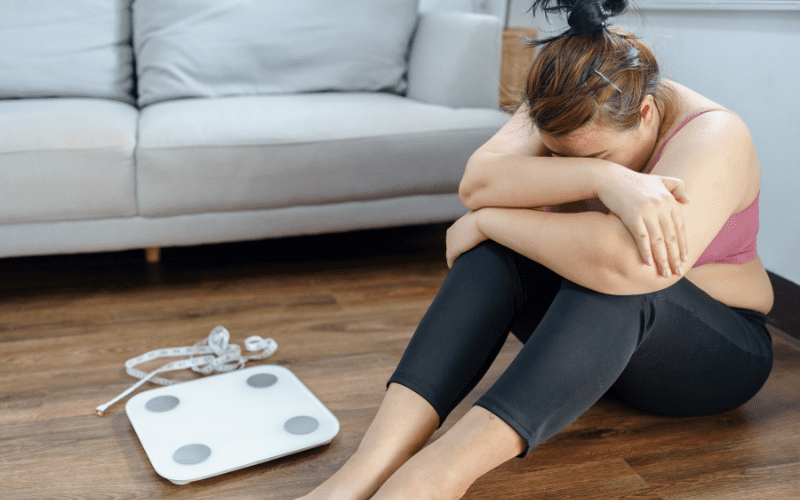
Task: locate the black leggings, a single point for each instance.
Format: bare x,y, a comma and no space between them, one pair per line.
677,351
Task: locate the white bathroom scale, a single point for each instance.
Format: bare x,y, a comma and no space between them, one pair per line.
212,425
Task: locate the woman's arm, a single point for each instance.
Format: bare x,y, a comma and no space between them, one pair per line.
596,250
506,180
577,246
715,156
514,169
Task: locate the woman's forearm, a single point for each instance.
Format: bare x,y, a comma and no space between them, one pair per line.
576,246
505,180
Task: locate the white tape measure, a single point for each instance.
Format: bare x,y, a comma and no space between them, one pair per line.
219,356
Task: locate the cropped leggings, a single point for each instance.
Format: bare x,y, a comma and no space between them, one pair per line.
677,351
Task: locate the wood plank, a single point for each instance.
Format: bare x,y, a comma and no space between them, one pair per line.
612,478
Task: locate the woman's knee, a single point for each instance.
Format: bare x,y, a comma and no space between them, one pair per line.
488,267
487,250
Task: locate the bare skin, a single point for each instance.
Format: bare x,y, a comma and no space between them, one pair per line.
390,462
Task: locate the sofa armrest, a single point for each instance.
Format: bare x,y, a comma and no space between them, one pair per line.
455,60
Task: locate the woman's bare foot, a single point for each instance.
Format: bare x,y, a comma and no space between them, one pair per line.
358,479
404,423
445,469
425,476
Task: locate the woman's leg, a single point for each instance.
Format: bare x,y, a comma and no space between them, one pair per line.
579,348
677,352
452,348
489,291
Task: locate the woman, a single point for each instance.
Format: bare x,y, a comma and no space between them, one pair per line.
634,276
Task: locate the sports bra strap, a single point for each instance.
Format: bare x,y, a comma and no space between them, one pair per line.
683,123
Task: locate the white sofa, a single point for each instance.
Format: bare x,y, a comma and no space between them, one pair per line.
157,124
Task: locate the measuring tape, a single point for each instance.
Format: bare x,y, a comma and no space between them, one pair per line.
220,357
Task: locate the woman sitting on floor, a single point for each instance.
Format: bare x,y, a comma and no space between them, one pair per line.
613,230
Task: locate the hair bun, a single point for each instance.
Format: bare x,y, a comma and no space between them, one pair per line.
585,16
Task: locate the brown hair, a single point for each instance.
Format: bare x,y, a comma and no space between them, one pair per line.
603,74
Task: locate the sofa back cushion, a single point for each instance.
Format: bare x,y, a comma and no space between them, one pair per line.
75,48
215,48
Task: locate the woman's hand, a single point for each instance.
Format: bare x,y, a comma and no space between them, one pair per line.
648,205
462,236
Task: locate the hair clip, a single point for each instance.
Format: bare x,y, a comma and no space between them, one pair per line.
609,81
590,91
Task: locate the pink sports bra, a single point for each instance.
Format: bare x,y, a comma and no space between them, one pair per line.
736,241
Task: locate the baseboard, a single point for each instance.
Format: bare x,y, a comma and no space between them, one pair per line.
785,314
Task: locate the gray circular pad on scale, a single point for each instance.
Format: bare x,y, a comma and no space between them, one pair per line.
262,380
301,425
162,403
191,454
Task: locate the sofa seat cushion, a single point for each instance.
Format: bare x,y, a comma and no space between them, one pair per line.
66,159
256,152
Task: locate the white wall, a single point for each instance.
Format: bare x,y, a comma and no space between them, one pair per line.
494,7
749,62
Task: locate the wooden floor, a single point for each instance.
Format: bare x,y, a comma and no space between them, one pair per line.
342,309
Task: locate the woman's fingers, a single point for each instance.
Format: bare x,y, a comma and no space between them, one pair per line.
642,238
680,193
673,264
680,228
677,188
665,239
664,244
659,229
658,246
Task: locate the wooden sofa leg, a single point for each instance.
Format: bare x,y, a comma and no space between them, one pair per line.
152,254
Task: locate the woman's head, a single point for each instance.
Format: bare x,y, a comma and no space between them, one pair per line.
592,73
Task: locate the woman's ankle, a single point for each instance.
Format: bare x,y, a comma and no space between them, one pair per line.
403,425
379,463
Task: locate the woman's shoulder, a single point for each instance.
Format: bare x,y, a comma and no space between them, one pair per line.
689,104
695,122
702,127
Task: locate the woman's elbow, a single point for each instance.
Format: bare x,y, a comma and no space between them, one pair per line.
470,186
466,193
